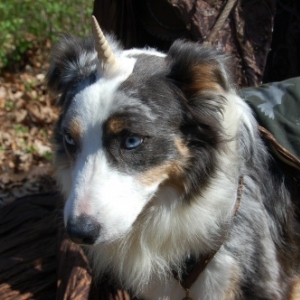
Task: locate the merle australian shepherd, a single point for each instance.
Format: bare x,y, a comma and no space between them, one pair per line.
167,183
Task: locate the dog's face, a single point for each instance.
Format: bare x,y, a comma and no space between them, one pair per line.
145,137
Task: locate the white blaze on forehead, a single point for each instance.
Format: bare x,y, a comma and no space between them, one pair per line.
149,51
93,103
112,198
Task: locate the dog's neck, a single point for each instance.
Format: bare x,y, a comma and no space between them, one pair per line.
194,267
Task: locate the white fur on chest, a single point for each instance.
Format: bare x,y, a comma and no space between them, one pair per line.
213,283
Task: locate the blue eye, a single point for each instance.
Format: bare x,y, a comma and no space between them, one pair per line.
132,142
69,140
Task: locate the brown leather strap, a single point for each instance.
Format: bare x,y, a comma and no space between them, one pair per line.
239,194
283,154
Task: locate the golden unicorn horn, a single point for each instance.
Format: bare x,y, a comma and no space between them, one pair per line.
105,54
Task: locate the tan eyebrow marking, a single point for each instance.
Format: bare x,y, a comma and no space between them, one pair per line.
115,125
75,129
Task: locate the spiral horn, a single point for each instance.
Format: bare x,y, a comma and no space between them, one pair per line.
104,52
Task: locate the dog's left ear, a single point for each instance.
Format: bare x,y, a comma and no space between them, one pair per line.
196,69
200,78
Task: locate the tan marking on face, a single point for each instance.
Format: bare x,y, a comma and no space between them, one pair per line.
170,170
115,125
75,129
182,148
295,290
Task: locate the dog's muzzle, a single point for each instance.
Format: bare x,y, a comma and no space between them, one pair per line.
83,230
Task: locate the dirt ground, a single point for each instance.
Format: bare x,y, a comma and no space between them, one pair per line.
27,115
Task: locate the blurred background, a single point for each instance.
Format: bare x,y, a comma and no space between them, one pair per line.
27,30
262,37
27,25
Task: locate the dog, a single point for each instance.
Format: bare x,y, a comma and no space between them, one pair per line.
168,185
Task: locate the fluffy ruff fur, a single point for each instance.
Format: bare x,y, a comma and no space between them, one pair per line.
151,157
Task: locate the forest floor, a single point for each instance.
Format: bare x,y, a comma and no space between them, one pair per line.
27,115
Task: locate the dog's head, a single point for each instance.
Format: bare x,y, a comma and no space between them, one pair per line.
145,137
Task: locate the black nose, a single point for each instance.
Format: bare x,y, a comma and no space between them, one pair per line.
83,230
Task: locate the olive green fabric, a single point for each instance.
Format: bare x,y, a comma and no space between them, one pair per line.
276,106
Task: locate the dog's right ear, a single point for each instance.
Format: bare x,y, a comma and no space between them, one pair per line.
71,61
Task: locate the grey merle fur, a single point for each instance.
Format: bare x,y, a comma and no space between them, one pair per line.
165,86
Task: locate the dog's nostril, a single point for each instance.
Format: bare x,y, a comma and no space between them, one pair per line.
83,230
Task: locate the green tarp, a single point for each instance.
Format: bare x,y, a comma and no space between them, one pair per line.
276,106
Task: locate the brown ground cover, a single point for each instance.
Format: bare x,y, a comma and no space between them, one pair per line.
27,115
